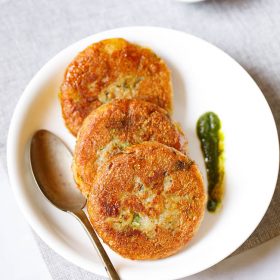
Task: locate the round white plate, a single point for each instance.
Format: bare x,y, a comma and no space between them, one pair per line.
204,79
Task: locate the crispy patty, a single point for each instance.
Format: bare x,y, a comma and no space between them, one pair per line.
116,125
109,69
147,201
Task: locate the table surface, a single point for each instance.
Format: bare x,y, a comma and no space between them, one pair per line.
31,32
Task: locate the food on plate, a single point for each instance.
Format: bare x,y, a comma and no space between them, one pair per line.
146,197
147,202
112,127
109,69
212,144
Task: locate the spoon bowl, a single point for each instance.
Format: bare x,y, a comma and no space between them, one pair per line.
51,163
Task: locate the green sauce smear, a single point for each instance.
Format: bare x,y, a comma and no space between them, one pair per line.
211,137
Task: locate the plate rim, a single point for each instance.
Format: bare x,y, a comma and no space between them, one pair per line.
23,205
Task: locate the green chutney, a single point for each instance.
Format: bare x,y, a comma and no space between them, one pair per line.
212,144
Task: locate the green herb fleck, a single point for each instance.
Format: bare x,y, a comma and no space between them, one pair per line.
136,220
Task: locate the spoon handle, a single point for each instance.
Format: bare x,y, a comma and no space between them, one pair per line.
82,217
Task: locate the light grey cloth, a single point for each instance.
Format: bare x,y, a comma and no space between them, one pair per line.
32,31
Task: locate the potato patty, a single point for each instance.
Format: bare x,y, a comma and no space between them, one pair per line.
116,125
109,69
147,202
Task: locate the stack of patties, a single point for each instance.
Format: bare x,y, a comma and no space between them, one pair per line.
145,196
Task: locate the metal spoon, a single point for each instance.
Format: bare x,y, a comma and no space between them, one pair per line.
51,165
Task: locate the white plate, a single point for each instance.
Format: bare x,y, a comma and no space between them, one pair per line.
204,78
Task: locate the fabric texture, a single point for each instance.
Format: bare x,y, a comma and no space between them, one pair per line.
33,31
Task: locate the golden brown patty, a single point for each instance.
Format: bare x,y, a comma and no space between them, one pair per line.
109,69
116,125
147,202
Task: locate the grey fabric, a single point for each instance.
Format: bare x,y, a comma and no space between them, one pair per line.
32,31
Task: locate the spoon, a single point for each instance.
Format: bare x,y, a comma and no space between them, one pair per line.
51,166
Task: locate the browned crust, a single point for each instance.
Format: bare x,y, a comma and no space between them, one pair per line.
123,122
115,192
109,63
